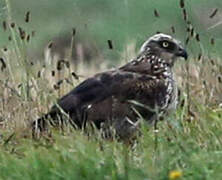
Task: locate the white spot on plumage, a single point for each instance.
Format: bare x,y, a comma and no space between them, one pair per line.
165,73
89,106
161,65
155,67
134,62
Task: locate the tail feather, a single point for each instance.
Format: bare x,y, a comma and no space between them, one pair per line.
56,118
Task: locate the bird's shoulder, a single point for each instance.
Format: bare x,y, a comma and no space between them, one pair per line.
149,64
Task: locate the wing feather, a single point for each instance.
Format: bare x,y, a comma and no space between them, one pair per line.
102,86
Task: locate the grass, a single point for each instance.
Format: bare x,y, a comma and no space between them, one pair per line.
188,142
193,148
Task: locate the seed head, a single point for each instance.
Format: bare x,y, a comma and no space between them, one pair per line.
27,17
110,44
182,3
156,14
4,24
213,13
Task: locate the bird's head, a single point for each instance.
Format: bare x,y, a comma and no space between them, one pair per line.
165,47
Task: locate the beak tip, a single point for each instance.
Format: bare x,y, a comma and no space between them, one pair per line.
183,53
185,56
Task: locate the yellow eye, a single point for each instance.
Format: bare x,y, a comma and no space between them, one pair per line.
165,44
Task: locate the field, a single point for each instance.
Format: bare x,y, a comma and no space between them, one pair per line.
187,144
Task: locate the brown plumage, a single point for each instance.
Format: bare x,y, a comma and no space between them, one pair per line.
114,98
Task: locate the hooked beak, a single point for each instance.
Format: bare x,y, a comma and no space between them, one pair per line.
182,53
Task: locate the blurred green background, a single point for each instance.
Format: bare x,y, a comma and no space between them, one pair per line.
122,21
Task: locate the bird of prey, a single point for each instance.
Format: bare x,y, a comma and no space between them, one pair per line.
119,98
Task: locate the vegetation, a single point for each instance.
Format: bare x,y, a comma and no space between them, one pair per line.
187,144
